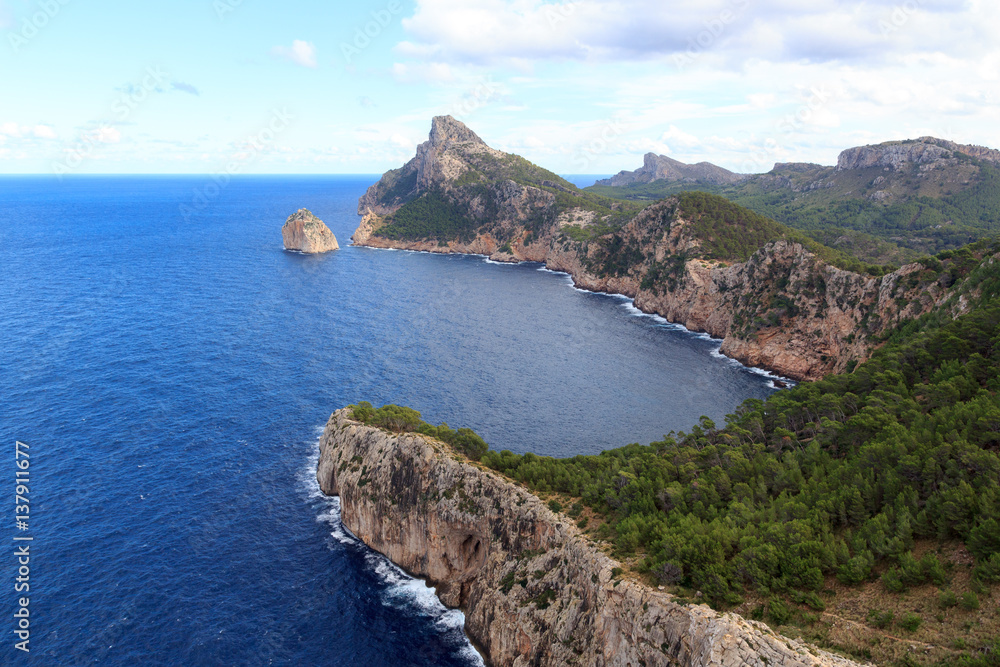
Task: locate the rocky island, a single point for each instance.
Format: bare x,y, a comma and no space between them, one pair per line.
304,232
534,589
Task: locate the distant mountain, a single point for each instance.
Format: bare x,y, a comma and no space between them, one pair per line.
662,168
884,203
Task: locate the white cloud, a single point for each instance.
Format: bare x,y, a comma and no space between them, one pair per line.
9,130
430,72
677,140
300,52
44,132
106,135
490,31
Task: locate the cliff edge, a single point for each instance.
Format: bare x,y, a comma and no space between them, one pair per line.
533,589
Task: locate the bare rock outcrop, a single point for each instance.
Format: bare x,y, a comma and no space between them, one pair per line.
439,160
923,151
304,232
534,590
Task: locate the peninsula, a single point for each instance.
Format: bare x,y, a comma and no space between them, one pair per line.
777,298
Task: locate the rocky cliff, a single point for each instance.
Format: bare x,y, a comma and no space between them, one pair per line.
923,151
662,168
779,305
304,232
534,590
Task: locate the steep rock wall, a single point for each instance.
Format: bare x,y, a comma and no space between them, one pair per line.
832,317
533,589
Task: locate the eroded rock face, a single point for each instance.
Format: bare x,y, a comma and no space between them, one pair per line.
534,590
832,317
438,161
304,232
922,151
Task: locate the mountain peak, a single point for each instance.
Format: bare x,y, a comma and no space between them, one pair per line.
661,167
446,131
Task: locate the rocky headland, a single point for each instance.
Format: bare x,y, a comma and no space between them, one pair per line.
535,591
777,300
304,232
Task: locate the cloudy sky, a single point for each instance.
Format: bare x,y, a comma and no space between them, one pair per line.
589,86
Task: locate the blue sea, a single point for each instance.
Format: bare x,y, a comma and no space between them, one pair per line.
171,368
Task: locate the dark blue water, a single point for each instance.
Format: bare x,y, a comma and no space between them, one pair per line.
172,375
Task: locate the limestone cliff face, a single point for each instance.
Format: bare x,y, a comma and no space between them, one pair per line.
923,151
438,162
533,589
304,232
784,309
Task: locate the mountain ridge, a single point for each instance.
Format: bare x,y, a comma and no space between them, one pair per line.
883,202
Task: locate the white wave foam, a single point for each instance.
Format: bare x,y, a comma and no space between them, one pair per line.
717,353
630,306
403,592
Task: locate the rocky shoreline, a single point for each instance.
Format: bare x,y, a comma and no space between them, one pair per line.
782,308
780,380
535,591
823,339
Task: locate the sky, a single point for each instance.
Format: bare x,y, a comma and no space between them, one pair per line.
580,87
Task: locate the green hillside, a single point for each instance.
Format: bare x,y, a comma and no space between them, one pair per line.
923,216
472,201
875,493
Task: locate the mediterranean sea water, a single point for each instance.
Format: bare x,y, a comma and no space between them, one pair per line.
171,368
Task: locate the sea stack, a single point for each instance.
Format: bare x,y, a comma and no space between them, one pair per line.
304,232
